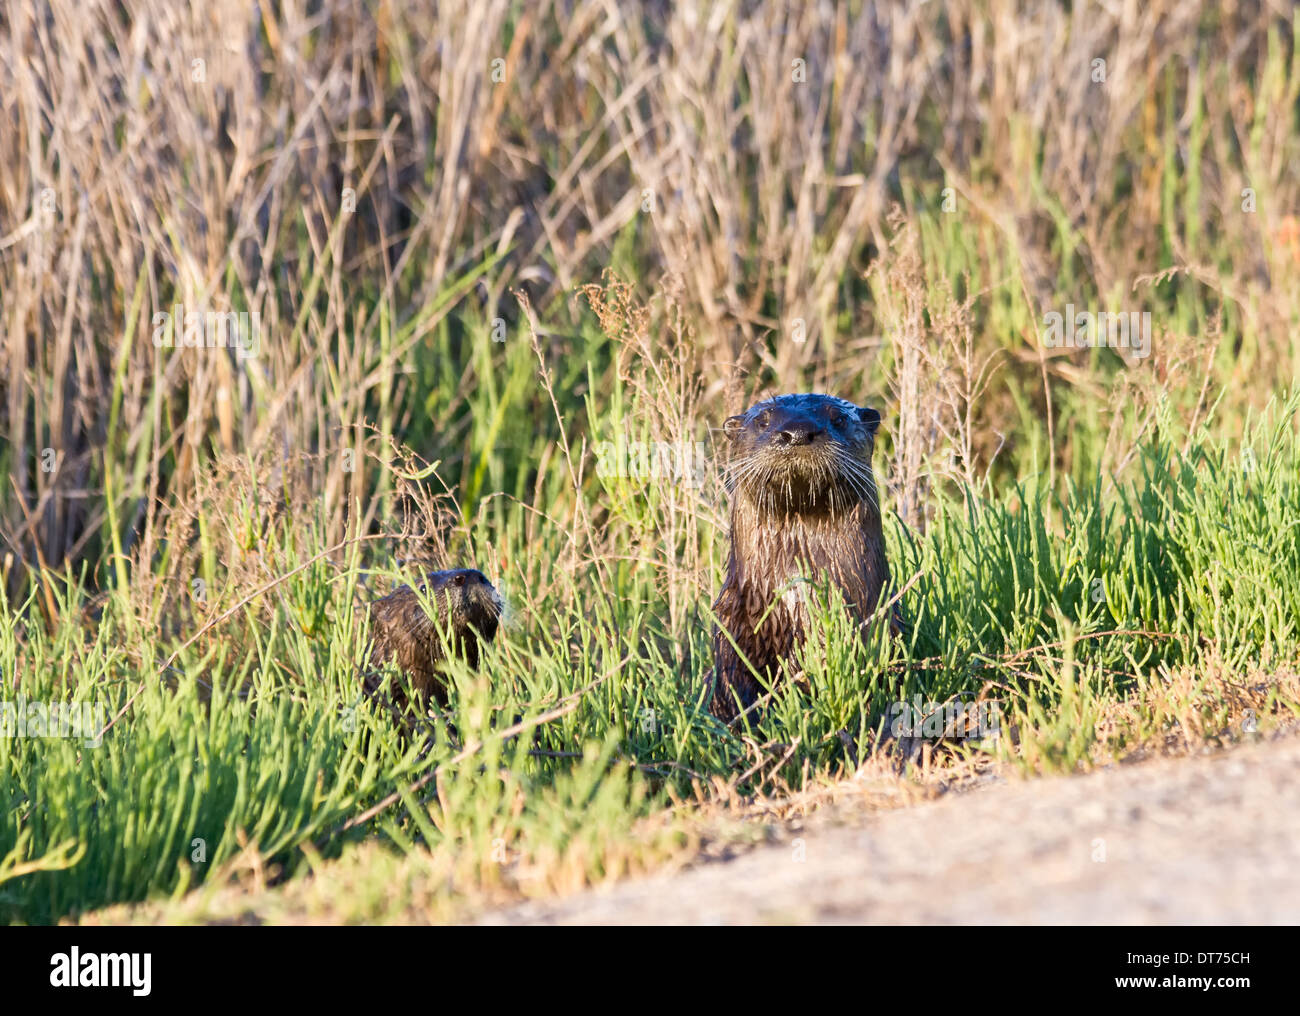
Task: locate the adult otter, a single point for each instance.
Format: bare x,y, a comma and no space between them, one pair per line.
803,506
468,608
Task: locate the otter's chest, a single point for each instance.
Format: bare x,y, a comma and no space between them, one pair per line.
780,611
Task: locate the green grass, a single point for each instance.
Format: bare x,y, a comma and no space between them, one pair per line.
235,747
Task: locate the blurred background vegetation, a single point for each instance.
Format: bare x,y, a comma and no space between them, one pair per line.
739,160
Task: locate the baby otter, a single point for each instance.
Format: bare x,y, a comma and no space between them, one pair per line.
804,506
468,608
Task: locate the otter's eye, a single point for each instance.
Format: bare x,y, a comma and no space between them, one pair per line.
839,420
764,418
459,580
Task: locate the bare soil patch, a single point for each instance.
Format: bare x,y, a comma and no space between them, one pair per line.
1208,839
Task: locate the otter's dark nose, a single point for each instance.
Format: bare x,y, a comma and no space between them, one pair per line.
799,434
790,429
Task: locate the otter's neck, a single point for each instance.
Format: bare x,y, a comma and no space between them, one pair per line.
768,548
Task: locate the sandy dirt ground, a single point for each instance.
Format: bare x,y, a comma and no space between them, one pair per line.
1208,839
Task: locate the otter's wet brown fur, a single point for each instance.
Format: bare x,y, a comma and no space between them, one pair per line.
468,608
803,507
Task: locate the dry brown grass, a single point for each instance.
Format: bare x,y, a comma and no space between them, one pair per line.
162,153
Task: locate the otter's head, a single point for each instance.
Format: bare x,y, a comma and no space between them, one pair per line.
803,454
465,596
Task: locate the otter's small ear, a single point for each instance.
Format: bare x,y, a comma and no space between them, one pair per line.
732,426
870,417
